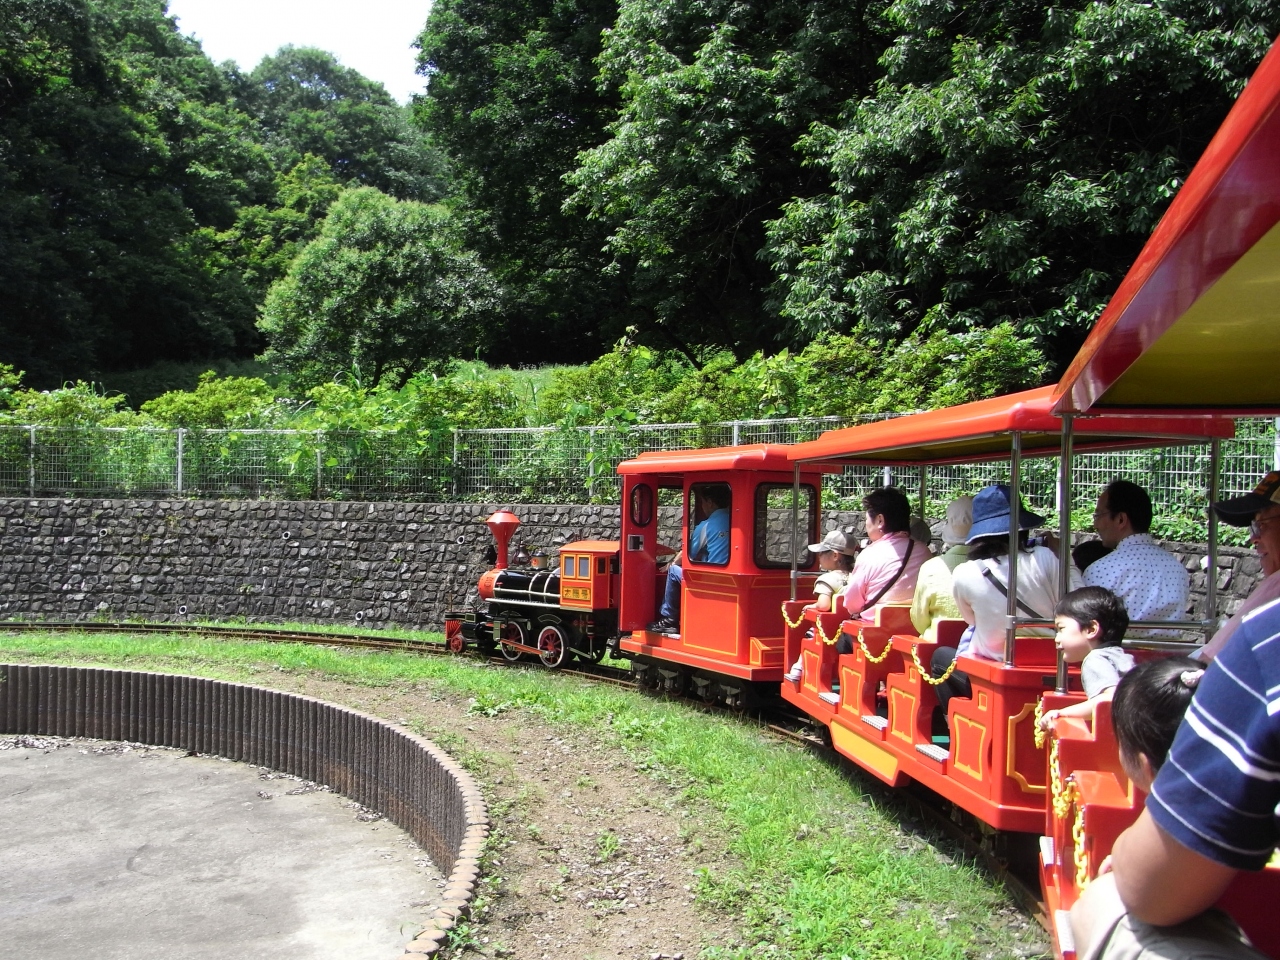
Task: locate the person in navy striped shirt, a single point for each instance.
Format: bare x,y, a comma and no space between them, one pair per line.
1212,812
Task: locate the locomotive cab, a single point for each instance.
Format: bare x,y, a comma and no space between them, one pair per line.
739,532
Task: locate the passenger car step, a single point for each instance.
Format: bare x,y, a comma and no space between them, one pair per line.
933,752
878,722
829,697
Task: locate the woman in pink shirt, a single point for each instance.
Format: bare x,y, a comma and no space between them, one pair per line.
886,571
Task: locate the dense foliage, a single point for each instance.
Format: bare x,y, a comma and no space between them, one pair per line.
834,376
148,198
513,99
701,155
790,207
386,289
769,172
119,140
1011,163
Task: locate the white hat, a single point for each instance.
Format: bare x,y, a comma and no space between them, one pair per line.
837,542
959,520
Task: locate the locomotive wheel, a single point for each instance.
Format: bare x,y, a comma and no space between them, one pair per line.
596,654
454,639
553,646
515,633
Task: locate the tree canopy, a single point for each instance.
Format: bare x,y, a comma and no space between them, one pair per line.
148,197
1010,164
386,290
512,99
721,182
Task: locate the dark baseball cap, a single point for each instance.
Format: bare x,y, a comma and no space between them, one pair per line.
1240,511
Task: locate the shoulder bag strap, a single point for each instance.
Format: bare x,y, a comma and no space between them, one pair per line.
911,545
1004,592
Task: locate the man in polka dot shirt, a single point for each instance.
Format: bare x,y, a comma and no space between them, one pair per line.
1149,579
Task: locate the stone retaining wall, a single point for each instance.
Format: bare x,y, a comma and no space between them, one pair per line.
405,778
324,562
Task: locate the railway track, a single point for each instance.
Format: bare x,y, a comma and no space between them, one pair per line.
997,855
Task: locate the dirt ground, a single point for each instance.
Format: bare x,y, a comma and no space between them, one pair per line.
592,857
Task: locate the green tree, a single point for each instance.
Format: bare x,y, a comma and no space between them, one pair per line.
1010,164
266,237
512,99
714,96
310,104
386,288
118,143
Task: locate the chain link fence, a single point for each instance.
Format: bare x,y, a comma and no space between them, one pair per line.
542,464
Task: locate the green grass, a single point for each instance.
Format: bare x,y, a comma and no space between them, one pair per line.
827,868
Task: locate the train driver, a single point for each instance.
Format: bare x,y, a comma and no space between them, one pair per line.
708,544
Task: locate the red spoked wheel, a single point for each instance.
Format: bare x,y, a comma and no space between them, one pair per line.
511,633
453,638
553,646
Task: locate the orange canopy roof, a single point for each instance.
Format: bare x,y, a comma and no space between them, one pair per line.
983,430
1195,325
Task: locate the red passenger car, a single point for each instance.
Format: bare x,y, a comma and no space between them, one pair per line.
878,702
1194,329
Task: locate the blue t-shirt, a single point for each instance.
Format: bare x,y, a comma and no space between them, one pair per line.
711,539
1217,794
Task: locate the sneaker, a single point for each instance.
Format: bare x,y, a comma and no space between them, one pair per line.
664,625
796,671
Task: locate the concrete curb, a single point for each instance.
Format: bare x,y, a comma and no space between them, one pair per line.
405,778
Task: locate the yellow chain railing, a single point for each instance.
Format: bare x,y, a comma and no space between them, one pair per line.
1039,733
818,632
867,653
788,622
1078,838
924,674
1058,791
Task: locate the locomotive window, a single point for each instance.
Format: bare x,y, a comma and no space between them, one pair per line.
642,505
568,566
584,567
709,522
602,565
773,526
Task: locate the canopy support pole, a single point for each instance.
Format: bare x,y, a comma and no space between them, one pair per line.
1064,531
1015,501
1211,585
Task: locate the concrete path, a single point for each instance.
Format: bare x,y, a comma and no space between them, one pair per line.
129,853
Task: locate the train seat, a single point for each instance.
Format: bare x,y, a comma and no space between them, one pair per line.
993,743
911,699
864,672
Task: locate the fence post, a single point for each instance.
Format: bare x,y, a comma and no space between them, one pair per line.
888,477
31,461
736,425
319,463
592,466
454,471
178,471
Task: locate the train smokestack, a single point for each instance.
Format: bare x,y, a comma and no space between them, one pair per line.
503,526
